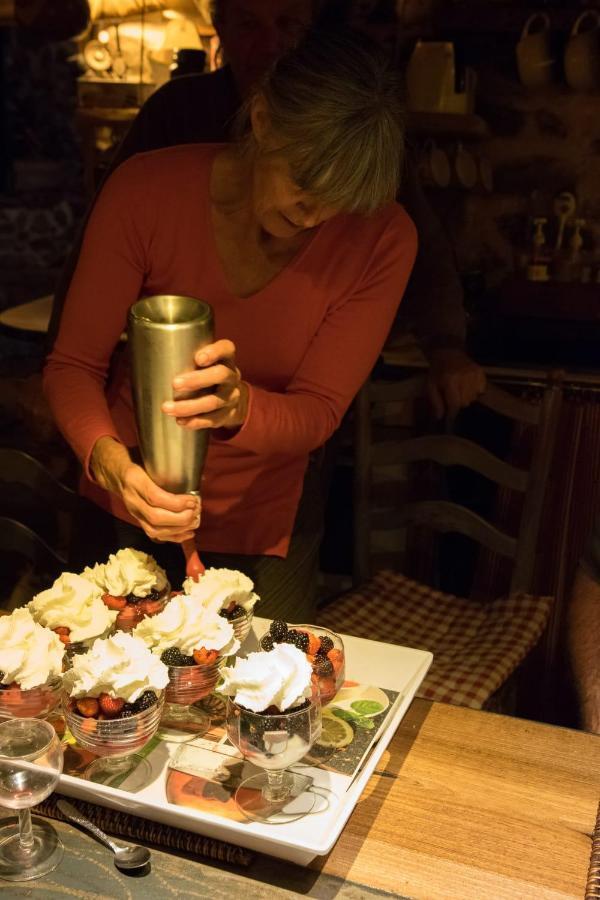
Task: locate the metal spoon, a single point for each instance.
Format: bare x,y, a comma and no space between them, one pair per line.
127,856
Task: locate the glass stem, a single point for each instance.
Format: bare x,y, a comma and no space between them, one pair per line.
25,830
275,789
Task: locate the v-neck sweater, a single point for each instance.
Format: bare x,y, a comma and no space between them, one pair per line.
305,342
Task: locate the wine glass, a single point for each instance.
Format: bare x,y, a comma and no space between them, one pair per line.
274,742
31,760
115,742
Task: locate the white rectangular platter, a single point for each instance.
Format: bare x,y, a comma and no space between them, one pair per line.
396,668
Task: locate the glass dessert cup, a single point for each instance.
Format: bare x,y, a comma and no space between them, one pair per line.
31,760
181,720
36,703
329,682
273,743
76,648
116,742
241,625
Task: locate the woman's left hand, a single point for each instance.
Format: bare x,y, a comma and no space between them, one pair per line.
225,403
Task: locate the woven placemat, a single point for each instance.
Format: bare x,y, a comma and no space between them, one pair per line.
166,837
592,888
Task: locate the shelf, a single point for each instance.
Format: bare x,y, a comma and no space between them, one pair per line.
447,125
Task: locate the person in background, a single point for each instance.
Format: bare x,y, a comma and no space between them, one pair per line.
584,632
293,235
202,108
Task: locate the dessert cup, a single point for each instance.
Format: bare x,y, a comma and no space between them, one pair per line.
180,719
241,625
330,683
36,703
115,742
76,648
273,743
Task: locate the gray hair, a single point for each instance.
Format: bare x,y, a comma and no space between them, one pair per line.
335,103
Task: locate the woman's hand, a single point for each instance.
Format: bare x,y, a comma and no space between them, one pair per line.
225,401
163,516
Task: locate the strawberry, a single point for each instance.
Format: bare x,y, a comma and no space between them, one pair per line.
327,686
204,657
62,629
64,638
110,706
87,707
313,643
129,617
114,602
150,607
336,657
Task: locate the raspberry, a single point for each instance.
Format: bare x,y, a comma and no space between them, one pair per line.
204,657
336,658
87,707
313,643
110,706
278,630
114,602
323,666
150,607
147,699
326,645
267,642
173,657
61,629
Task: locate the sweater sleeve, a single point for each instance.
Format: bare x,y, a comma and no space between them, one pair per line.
339,358
107,280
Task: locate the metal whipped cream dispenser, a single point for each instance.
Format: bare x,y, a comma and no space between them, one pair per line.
164,333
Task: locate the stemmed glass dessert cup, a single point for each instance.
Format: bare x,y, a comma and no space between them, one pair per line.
31,760
35,703
116,742
187,684
329,670
274,742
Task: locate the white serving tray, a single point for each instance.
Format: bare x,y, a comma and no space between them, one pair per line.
388,666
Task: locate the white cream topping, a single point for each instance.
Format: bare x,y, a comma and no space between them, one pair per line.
128,572
121,666
220,587
73,602
29,653
189,625
281,678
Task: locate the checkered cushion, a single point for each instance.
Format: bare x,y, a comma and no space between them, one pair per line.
476,646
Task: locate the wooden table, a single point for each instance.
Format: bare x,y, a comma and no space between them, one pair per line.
465,806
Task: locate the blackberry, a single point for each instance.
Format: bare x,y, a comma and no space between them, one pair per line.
187,661
126,713
267,642
153,595
144,702
322,666
236,613
325,646
300,707
278,630
133,598
297,639
173,657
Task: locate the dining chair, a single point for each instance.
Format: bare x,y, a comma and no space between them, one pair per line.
35,511
477,643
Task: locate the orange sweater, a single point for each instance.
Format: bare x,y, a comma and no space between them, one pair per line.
305,343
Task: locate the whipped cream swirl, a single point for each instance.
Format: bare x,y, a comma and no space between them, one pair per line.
128,572
73,602
121,666
281,678
218,588
186,624
29,653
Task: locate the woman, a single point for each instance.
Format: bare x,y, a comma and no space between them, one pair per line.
293,237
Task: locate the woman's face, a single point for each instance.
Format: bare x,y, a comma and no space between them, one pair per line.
282,208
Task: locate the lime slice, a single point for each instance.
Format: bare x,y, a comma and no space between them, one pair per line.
336,732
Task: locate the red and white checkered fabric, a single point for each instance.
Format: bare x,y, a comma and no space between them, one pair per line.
475,646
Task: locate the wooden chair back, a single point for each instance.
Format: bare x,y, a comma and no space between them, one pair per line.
451,450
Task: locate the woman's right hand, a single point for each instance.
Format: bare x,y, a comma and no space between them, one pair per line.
163,516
